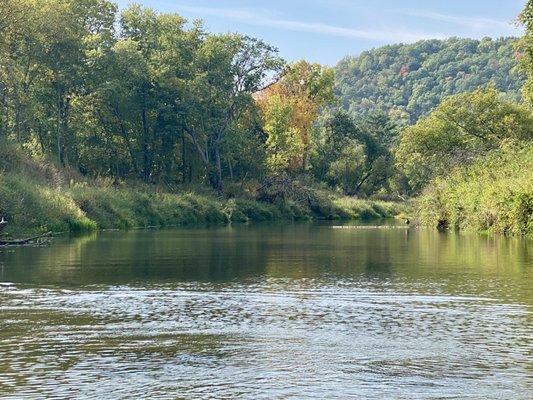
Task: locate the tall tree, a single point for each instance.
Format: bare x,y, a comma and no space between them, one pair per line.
353,156
306,88
525,49
228,70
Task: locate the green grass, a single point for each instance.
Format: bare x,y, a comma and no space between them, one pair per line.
350,208
30,207
37,197
493,195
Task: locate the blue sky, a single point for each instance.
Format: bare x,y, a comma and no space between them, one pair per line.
327,30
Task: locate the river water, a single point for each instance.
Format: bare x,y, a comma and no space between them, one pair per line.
268,312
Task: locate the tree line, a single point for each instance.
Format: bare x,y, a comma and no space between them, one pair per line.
132,95
141,95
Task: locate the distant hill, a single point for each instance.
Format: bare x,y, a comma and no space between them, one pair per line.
408,81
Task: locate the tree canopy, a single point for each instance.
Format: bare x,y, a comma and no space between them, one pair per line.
461,129
525,50
408,81
139,95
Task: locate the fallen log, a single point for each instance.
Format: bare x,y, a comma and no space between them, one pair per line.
20,242
3,224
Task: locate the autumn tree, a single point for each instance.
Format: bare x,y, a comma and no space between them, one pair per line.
284,142
305,88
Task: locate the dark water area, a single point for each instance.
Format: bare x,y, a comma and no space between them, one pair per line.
268,312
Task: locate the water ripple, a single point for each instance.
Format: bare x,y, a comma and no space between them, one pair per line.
275,339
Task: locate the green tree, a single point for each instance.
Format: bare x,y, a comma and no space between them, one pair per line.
463,128
284,142
228,70
525,50
407,81
354,156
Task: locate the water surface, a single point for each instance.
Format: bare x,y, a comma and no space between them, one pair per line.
298,311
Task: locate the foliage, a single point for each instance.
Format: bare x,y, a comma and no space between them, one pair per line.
460,130
354,156
494,194
295,101
132,118
156,99
525,50
408,81
29,206
36,196
284,142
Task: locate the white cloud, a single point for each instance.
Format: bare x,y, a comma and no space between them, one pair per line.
474,24
267,19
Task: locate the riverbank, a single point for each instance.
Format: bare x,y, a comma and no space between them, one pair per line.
31,207
35,196
494,195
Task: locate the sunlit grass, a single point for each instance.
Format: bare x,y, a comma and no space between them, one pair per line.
494,195
37,197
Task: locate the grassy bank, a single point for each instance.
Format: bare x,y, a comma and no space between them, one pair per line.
37,197
493,195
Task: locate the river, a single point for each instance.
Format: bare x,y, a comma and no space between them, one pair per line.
268,312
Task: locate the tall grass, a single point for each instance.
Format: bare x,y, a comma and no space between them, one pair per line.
37,197
494,195
350,208
31,207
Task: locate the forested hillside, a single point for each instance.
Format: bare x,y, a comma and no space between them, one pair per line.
119,118
408,81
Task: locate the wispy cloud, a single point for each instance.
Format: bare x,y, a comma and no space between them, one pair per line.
264,18
475,24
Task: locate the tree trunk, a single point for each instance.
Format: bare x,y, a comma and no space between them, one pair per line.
230,166
218,181
145,149
62,124
362,181
126,137
59,131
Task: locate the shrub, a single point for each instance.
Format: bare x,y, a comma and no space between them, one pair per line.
494,194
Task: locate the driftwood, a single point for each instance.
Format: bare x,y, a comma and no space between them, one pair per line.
20,242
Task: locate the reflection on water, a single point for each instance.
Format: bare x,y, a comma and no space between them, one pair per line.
301,311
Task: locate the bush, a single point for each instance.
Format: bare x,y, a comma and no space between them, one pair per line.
495,194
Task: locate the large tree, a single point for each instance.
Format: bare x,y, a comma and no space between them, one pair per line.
305,89
228,69
525,50
354,156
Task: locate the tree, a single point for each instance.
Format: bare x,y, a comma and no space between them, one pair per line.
284,142
353,155
407,81
463,128
307,88
525,50
228,69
